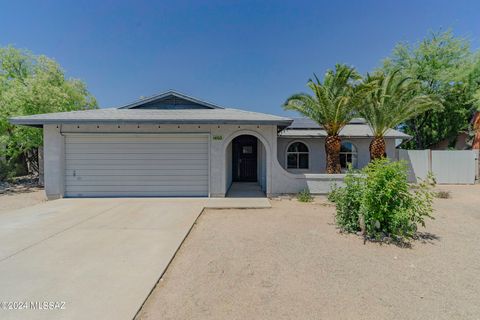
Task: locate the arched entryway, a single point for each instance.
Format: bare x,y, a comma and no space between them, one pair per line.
246,169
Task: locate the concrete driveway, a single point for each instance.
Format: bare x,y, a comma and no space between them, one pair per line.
92,258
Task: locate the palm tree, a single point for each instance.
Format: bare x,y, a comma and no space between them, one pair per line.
391,99
332,106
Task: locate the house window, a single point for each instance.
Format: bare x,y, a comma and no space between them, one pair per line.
297,156
348,155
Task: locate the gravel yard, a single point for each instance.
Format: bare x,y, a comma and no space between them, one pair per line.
17,198
290,262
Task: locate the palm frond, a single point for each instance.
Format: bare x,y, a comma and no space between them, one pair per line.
332,104
389,99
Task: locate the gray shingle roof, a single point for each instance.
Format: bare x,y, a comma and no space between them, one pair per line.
303,127
136,112
187,116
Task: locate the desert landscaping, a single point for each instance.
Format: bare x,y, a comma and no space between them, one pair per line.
291,262
19,195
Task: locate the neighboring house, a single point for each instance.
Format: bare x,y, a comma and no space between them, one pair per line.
175,145
460,142
464,140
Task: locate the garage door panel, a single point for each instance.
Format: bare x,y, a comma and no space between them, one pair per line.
140,138
136,145
137,162
136,156
138,188
142,151
142,182
137,194
131,166
137,148
133,142
136,165
133,172
145,178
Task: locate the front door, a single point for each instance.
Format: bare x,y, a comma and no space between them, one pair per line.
244,158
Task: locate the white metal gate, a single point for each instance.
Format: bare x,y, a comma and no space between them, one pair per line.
448,166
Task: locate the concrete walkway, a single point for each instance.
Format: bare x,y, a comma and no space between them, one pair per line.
96,258
245,190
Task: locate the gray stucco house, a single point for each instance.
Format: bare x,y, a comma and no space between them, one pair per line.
172,144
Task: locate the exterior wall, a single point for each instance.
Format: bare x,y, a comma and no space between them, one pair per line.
261,166
267,138
220,155
41,173
54,161
273,178
284,181
322,183
391,149
317,156
228,166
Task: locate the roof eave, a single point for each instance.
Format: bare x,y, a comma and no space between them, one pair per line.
26,123
298,136
41,122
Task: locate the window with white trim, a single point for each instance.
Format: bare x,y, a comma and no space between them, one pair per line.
348,155
297,156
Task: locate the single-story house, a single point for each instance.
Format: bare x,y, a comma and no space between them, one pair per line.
172,144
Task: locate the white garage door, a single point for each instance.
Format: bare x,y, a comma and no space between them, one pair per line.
161,165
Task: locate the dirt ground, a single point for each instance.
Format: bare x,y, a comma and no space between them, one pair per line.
20,198
290,262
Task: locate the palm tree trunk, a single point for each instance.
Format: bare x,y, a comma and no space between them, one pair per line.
332,150
377,148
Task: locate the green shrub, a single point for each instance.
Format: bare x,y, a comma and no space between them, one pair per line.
304,196
7,171
347,202
11,168
379,201
3,171
332,195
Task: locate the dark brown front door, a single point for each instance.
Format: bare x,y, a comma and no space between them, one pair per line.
244,158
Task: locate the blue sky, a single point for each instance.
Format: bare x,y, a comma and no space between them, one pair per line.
246,54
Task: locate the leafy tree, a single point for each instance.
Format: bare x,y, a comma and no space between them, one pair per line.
31,84
331,106
391,99
445,67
